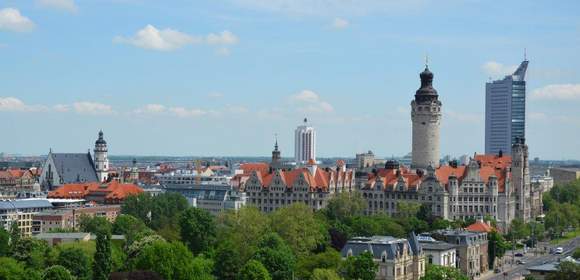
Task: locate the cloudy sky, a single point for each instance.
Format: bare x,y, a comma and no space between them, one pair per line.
222,77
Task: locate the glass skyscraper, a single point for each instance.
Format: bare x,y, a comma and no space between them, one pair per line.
505,111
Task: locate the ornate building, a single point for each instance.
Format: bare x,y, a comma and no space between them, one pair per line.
426,118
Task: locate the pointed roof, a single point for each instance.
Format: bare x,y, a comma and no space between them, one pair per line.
74,167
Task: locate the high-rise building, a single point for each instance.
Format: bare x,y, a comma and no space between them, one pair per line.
305,143
426,118
505,111
101,160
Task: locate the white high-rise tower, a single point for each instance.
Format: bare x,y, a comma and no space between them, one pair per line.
305,143
426,118
101,160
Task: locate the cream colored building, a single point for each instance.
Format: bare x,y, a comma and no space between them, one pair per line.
397,258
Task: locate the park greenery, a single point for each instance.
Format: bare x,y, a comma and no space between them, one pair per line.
166,237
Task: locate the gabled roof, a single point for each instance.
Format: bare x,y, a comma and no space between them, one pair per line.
114,190
480,226
75,167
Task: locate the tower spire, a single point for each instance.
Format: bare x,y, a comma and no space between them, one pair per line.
276,144
426,61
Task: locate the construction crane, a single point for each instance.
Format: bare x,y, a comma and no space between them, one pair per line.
198,170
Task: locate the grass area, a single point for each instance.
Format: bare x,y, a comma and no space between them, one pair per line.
567,236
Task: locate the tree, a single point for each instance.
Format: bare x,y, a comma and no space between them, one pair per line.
130,227
10,269
228,263
32,252
497,247
437,272
14,233
297,225
240,228
159,212
361,267
518,230
102,265
94,224
4,243
330,260
324,274
76,261
567,270
425,213
342,207
57,272
198,230
408,209
172,261
254,270
276,256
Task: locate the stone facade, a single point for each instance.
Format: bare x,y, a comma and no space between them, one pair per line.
101,158
397,258
471,250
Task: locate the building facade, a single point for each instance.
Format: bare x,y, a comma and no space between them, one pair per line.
304,143
68,219
438,252
472,258
563,175
20,212
365,160
426,119
505,111
397,258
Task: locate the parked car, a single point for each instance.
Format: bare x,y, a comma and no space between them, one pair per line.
520,262
559,251
497,270
519,255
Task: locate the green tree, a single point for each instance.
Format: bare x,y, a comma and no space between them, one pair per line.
361,267
76,261
437,272
32,252
57,272
172,261
342,207
297,225
102,265
228,262
497,247
130,227
160,213
276,256
241,229
10,269
254,270
518,230
408,209
4,243
94,224
198,230
14,233
324,274
330,260
567,270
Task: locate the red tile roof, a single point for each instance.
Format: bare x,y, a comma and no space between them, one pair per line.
480,226
114,190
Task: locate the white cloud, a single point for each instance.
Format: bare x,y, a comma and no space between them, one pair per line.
92,108
169,39
331,7
61,108
495,69
66,5
12,20
558,92
340,23
13,104
161,40
224,38
151,109
185,113
310,101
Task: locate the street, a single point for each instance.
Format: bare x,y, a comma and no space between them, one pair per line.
517,271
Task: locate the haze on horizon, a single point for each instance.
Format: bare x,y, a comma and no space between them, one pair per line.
222,77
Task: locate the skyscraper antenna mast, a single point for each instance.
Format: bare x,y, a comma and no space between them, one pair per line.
525,54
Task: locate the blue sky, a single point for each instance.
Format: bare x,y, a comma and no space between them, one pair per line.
222,77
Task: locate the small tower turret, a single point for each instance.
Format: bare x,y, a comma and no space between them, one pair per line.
101,159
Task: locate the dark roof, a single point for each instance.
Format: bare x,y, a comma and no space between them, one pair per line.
377,245
75,168
426,93
437,246
25,203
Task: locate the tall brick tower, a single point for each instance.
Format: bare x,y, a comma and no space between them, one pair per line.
426,118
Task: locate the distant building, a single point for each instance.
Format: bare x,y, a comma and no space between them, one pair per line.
471,250
101,193
190,177
543,271
305,143
365,160
563,175
397,258
213,198
505,111
426,120
69,218
67,168
438,252
55,238
480,226
21,212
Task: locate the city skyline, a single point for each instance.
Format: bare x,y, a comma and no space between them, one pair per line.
219,83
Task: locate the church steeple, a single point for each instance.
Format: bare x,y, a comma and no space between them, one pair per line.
276,155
